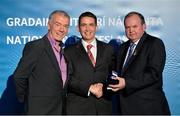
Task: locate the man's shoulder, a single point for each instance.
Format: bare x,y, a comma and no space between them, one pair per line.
153,39
107,45
72,47
36,42
35,45
124,44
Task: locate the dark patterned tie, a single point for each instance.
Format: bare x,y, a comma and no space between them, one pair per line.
63,67
90,54
131,47
61,49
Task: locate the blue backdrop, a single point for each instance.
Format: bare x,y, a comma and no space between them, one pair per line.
26,20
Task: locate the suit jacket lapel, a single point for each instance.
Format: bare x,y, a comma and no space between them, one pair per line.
82,52
136,51
99,52
51,54
124,50
67,79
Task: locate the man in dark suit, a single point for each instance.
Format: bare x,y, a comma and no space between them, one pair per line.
140,65
88,71
41,74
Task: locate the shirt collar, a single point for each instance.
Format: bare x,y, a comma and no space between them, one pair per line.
53,42
94,43
136,42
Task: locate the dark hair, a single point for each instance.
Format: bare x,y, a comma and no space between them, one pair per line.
59,12
87,14
135,13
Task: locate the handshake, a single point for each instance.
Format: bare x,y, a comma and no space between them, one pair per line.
96,89
115,83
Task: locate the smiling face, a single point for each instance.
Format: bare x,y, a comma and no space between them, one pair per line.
87,28
58,26
134,28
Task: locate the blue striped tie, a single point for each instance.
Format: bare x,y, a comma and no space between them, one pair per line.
131,47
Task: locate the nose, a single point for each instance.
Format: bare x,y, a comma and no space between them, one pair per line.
61,28
130,29
87,28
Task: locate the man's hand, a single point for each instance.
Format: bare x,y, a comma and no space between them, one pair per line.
97,89
119,86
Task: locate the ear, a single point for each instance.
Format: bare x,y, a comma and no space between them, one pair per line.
97,28
49,24
144,27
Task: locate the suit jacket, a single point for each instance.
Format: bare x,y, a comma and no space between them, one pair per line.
38,79
143,93
82,74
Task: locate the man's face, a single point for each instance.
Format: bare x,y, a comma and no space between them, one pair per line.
87,28
134,28
58,26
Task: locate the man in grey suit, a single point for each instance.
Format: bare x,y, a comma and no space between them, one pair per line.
90,63
140,65
41,75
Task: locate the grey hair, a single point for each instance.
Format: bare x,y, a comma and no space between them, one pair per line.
61,12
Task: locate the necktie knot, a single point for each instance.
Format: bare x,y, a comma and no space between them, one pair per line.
132,45
89,47
61,50
61,44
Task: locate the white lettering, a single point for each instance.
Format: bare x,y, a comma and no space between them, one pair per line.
21,39
9,21
27,21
